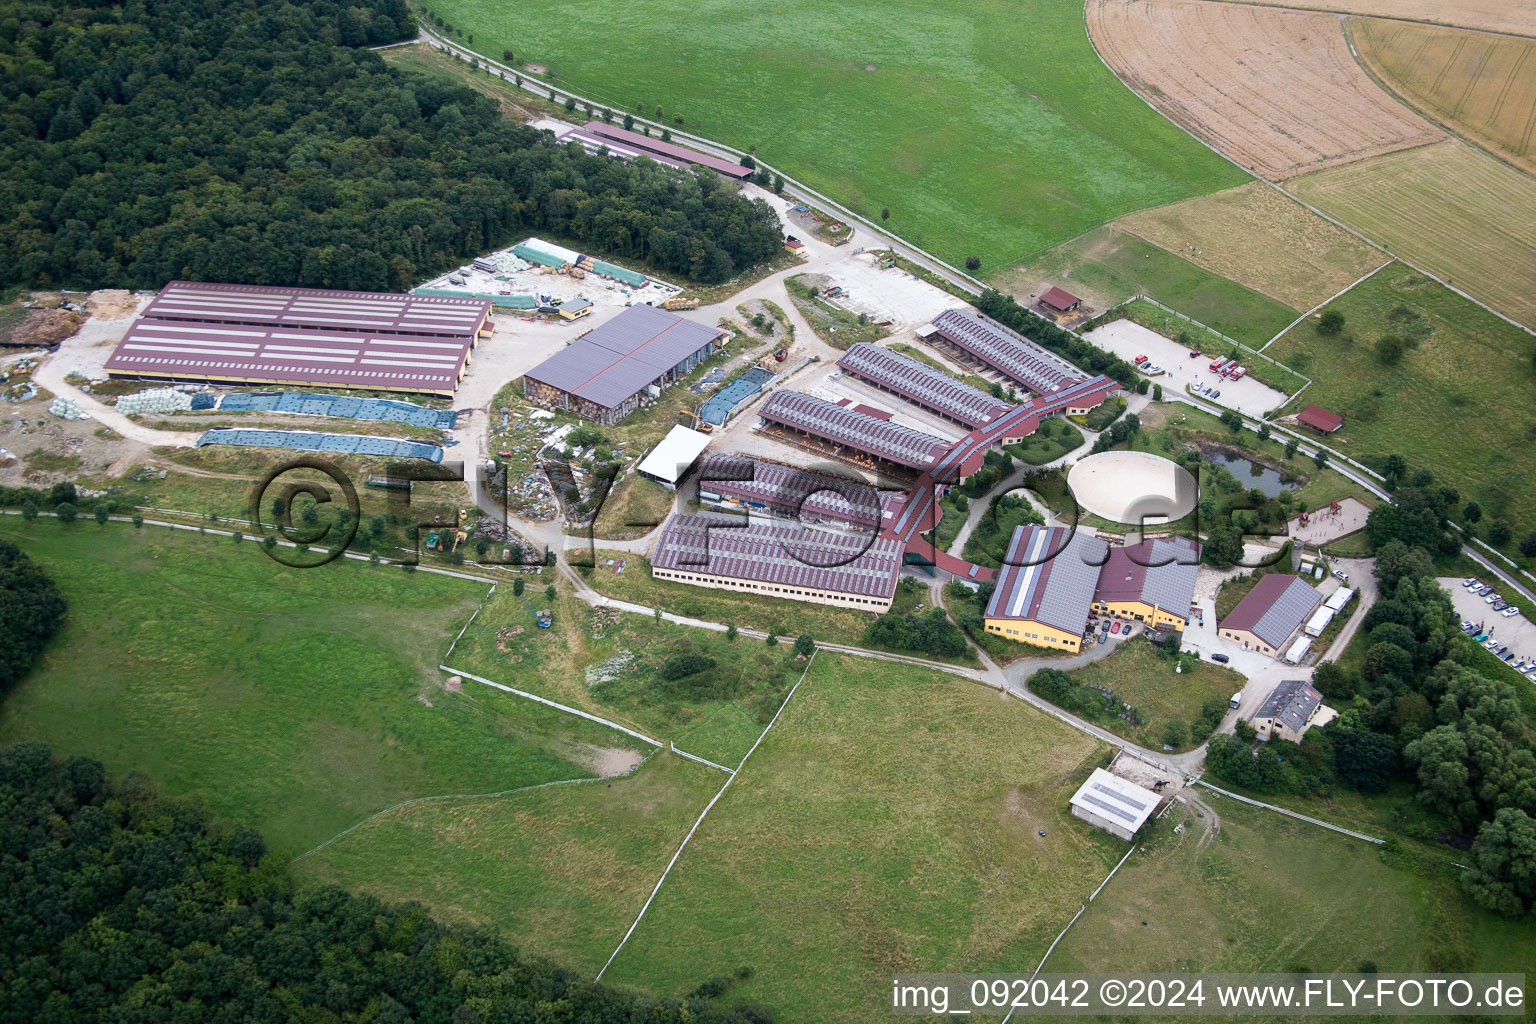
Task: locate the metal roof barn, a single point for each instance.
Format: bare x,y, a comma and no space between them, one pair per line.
656,149
839,425
1006,351
616,360
799,493
728,546
1158,572
1114,804
922,385
316,309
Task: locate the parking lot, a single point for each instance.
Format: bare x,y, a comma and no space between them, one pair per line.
1518,632
1129,340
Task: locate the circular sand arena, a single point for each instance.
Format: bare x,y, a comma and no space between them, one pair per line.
1133,487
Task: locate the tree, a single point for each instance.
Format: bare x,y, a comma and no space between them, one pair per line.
805,645
29,511
1472,513
1320,458
1290,448
629,122
1264,431
550,592
65,512
747,162
885,213
1244,731
1176,734
1157,392
1503,874
570,104
1394,466
31,609
506,57
1500,532
659,115
518,587
1389,349
1528,545
101,513
1330,323
482,544
771,639
1233,421
1363,760
973,263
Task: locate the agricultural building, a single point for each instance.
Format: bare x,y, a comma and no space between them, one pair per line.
1269,613
1320,419
1151,582
597,137
1046,587
978,338
922,385
674,456
795,246
605,374
755,485
250,334
726,552
1058,301
1116,805
1288,711
847,434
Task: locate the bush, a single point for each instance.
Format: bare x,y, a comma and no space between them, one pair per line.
932,633
680,666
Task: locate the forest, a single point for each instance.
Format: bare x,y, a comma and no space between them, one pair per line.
31,609
120,904
264,143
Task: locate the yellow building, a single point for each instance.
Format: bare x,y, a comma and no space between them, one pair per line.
1151,582
1045,588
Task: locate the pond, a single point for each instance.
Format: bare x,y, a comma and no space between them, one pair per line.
1251,474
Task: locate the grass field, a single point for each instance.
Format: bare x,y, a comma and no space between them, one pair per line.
975,152
1107,266
1457,404
1054,439
1269,894
561,871
1262,240
1145,680
1450,208
634,507
610,663
889,822
299,701
1479,84
980,383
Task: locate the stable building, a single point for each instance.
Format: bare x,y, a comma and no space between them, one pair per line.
1270,613
1320,419
1116,805
254,334
730,552
1058,300
1151,582
607,373
980,339
922,385
1046,586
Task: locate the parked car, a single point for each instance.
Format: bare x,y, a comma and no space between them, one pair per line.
1216,393
1115,628
1491,644
1470,581
1221,658
1205,391
1500,605
1140,360
1468,626
1341,575
1509,656
1493,599
1510,612
1483,591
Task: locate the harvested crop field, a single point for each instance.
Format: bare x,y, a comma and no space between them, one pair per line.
1450,208
1518,16
1481,85
1275,90
1257,237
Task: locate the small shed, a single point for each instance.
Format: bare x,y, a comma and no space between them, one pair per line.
677,453
575,309
1320,419
1116,805
1059,300
794,245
